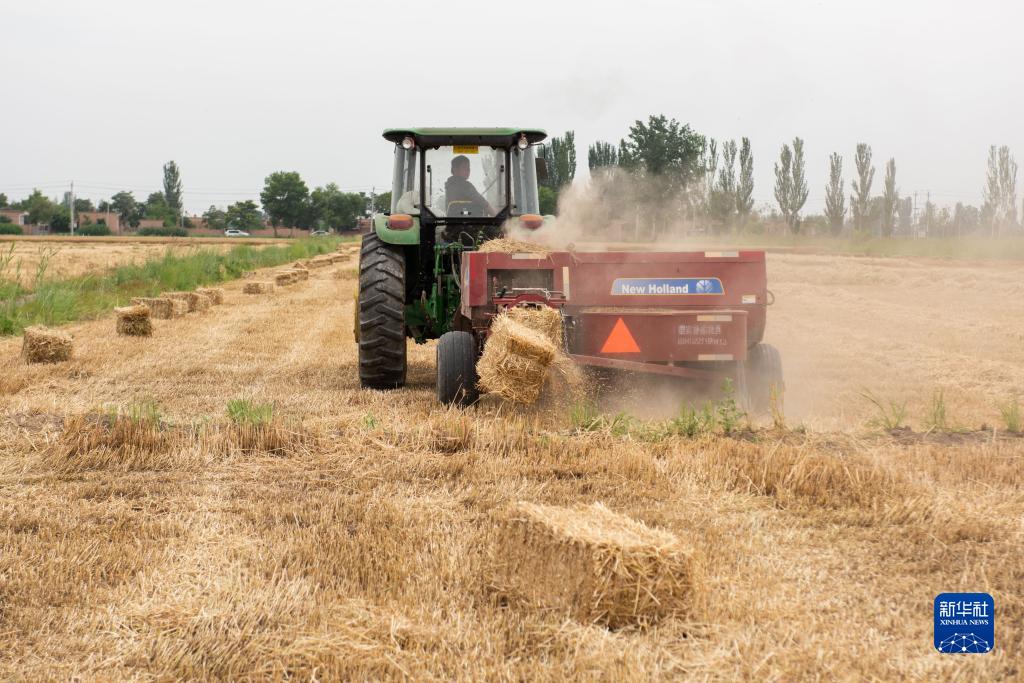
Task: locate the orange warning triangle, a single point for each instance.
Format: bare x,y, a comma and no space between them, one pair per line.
620,340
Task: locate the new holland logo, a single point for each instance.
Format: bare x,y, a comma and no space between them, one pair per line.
666,286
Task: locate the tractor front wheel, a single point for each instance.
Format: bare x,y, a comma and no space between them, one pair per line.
764,381
382,358
456,369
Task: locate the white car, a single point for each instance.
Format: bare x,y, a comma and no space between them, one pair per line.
235,233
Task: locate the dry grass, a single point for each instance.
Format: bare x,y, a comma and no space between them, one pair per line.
511,246
351,537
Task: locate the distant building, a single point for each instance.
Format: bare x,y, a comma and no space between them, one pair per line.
110,219
16,216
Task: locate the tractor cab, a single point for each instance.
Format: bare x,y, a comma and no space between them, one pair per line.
464,182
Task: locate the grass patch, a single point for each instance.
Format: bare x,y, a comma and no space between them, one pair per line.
244,411
937,420
1010,412
57,301
889,413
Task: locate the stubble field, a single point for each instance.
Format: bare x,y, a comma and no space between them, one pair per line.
143,534
64,256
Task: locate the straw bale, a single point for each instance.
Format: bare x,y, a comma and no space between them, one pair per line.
509,246
43,345
285,278
515,361
594,565
199,302
258,287
194,300
179,307
216,294
134,321
160,307
546,320
301,272
319,262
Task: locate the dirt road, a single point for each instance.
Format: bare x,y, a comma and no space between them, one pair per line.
356,544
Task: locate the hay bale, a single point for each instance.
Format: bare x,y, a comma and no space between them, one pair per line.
543,319
258,288
179,307
43,345
161,308
285,278
199,302
515,361
594,565
134,321
215,294
507,246
302,273
319,262
193,300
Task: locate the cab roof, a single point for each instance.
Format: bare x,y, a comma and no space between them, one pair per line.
495,137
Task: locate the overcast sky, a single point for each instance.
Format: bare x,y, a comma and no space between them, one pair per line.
104,92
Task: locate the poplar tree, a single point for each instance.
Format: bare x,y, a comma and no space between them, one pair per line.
791,183
172,188
745,191
835,197
860,200
889,199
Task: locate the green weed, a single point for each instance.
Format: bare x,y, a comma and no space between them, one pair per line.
244,411
693,422
1010,412
728,413
936,420
889,414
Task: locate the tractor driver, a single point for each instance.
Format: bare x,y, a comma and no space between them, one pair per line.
460,193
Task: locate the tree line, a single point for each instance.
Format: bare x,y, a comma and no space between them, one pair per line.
286,201
664,173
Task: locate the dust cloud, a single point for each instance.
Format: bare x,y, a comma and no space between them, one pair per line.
905,330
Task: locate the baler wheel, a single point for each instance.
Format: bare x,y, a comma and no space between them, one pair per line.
456,369
764,379
382,357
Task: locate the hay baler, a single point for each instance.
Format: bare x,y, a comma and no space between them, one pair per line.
692,315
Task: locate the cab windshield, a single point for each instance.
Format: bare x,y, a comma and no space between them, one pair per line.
464,181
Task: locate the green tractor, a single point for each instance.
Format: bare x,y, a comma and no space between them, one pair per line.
452,189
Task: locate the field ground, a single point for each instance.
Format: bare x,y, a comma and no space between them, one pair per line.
66,256
352,536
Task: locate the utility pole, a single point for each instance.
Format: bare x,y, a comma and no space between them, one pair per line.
928,228
71,208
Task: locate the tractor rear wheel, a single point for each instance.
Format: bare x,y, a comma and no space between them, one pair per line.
456,369
764,380
382,358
